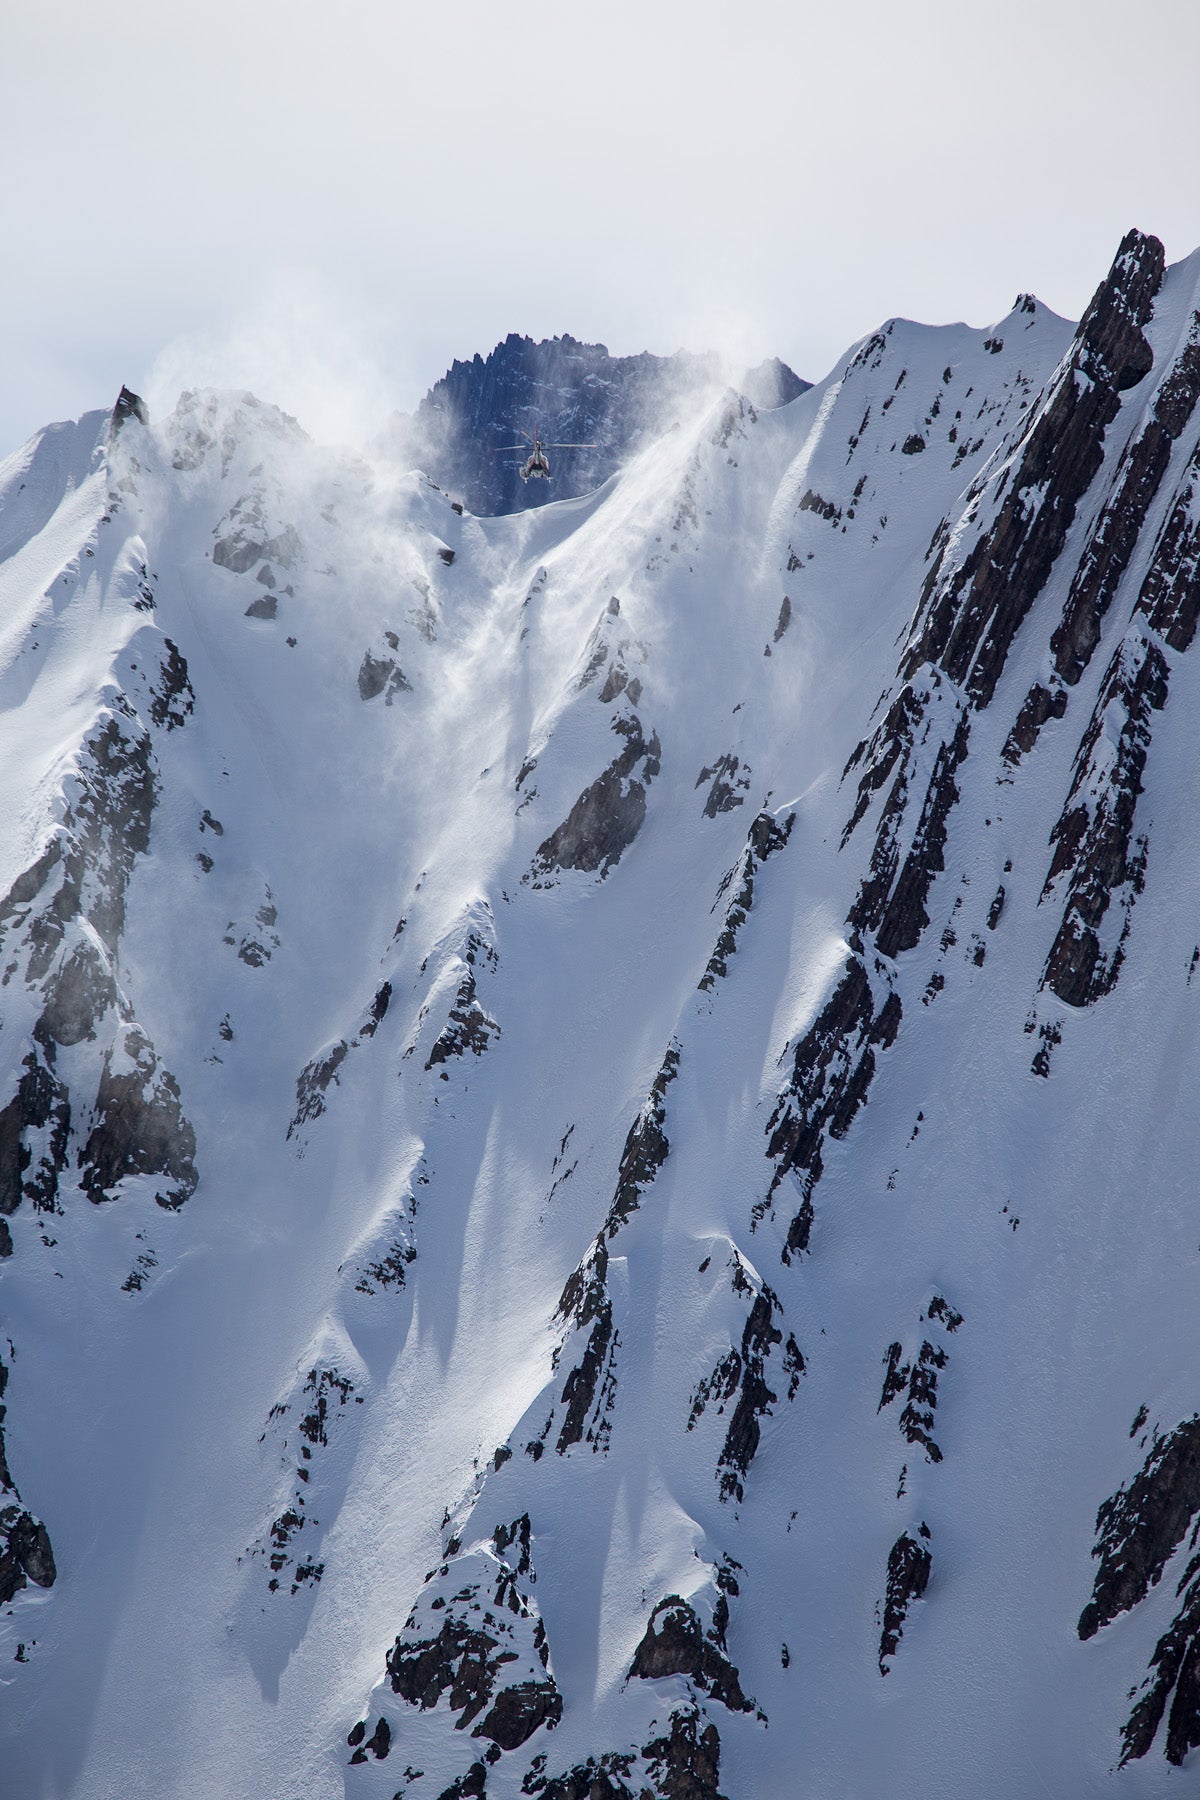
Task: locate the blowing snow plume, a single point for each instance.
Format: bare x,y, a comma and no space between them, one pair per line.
600,407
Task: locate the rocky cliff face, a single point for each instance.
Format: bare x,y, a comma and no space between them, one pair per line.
571,393
596,1149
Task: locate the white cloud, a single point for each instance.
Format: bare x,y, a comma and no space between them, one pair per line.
641,174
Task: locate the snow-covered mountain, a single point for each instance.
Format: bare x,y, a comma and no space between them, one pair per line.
573,394
597,1152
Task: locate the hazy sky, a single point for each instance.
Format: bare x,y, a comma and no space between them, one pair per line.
329,202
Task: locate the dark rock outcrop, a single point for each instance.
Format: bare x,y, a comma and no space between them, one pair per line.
909,1566
469,1027
920,1378
1095,852
833,1066
1096,849
1138,1530
727,786
917,1379
1174,1676
970,611
319,1406
739,1383
475,1640
765,838
1141,1527
975,597
172,698
139,1127
244,538
590,1388
1170,594
575,394
1040,703
379,1743
313,1083
891,900
25,1553
608,815
1123,517
129,406
674,1643
685,1764
603,1778
646,1146
39,1114
382,675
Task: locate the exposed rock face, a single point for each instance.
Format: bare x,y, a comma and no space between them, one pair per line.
766,837
604,1778
305,1424
589,1390
1094,843
1041,703
971,609
1137,1532
686,1764
129,406
675,1644
475,1642
312,1086
41,1105
172,700
1175,1676
139,1127
726,787
1141,1527
379,1742
682,1764
973,602
573,393
608,815
1123,517
469,1027
382,675
61,925
738,1383
646,1147
909,1565
917,1379
25,1553
832,1068
891,901
245,538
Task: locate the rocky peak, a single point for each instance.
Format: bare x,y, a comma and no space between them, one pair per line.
570,392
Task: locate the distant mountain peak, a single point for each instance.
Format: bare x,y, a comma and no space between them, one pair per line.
572,393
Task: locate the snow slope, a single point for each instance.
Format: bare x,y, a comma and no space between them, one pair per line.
599,1160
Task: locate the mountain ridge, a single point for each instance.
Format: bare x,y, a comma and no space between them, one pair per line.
604,1093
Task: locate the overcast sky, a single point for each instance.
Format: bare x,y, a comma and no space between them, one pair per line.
330,202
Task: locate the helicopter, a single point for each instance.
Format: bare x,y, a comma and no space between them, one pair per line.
537,464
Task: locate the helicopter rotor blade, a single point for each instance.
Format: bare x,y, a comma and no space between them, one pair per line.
570,446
